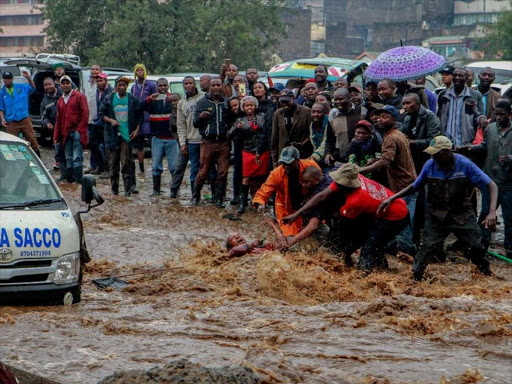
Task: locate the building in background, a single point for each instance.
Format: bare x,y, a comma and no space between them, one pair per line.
22,26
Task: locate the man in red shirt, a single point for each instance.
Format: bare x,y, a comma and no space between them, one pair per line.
361,226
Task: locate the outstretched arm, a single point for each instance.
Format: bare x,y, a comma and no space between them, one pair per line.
316,200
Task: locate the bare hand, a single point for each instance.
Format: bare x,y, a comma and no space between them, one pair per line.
504,159
4,123
223,68
371,161
239,125
134,134
184,150
490,221
282,244
154,96
49,126
115,123
329,159
204,115
290,218
261,209
482,121
258,161
25,74
383,206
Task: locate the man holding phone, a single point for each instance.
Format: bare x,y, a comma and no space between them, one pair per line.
14,108
228,72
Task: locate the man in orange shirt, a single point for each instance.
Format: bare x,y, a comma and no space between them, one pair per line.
285,181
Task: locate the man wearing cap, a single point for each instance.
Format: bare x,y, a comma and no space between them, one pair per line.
460,111
142,89
58,72
71,128
343,120
14,108
290,126
285,180
123,116
450,179
356,95
364,148
363,225
396,158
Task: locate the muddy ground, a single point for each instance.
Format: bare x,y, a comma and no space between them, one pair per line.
301,317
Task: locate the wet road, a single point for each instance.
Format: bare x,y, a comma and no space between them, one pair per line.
301,317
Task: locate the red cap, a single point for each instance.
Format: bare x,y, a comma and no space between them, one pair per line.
364,124
103,75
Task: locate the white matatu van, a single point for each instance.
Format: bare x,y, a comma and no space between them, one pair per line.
42,245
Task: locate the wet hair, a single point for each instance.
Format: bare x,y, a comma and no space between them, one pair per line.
461,69
162,79
371,84
487,68
327,95
324,107
325,68
413,96
49,78
389,82
312,171
249,98
504,105
343,92
228,245
189,77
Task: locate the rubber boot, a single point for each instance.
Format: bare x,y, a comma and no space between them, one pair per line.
244,199
38,153
141,167
237,186
127,181
196,193
78,174
115,185
135,191
62,171
69,175
157,183
220,192
174,193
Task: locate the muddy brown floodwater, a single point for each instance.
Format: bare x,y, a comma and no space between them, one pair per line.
301,317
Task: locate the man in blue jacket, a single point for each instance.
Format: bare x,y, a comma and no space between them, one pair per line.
14,110
211,118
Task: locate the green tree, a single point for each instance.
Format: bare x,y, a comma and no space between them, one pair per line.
167,36
498,39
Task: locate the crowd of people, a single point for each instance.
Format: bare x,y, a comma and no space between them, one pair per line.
385,167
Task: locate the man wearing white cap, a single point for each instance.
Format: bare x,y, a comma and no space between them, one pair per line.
450,178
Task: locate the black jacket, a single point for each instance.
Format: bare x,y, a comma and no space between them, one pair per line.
216,126
251,138
135,117
48,108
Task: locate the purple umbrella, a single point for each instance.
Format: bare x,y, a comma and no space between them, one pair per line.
403,63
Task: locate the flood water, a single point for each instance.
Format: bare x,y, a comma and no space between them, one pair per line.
301,317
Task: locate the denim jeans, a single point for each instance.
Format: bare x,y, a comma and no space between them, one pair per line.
404,240
161,148
505,200
74,150
60,156
194,152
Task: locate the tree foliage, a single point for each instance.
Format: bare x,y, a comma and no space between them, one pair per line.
498,40
168,36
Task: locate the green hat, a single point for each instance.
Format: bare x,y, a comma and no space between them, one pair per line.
437,144
57,65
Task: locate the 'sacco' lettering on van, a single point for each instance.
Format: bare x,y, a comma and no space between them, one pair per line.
31,238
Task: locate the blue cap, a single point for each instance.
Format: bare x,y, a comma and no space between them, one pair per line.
289,154
277,87
388,109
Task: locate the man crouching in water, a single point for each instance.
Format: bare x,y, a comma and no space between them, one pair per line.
237,245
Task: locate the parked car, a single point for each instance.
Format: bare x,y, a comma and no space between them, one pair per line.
502,69
40,68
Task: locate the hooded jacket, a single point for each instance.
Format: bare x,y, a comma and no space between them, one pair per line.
187,131
48,108
72,116
216,126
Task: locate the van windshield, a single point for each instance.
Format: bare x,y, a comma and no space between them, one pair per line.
23,180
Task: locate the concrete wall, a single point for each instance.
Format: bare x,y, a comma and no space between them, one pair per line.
480,6
298,42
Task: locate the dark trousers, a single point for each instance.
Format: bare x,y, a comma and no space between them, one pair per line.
120,156
348,235
468,236
214,153
237,171
505,200
95,141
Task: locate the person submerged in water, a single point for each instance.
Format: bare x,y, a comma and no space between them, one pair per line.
237,245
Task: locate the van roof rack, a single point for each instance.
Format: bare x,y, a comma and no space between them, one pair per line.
72,59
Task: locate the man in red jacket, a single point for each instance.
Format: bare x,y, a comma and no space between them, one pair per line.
71,128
